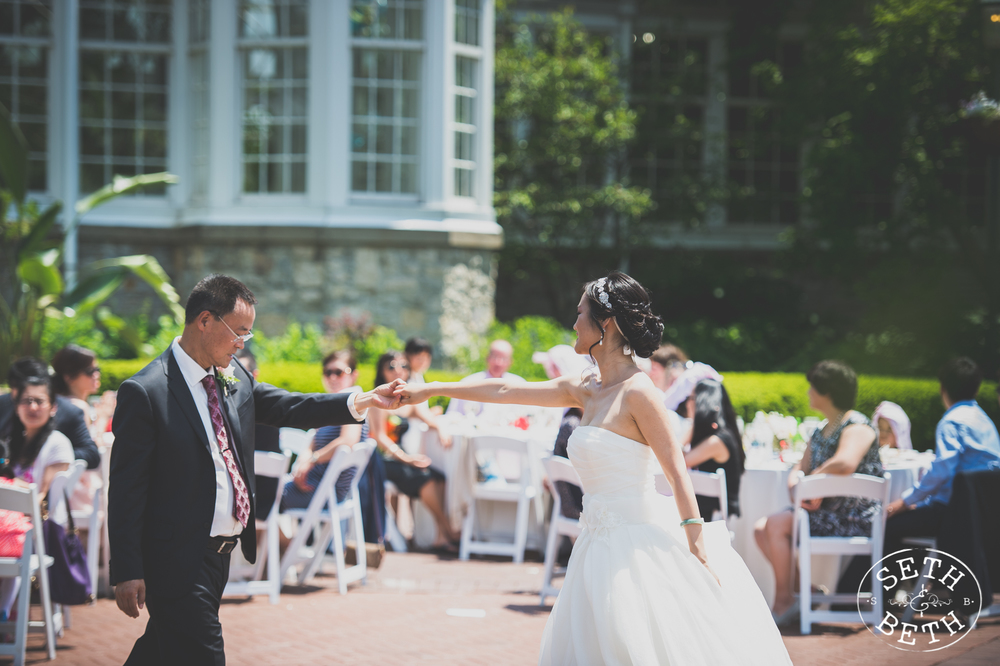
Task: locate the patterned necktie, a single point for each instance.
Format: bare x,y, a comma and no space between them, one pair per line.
241,503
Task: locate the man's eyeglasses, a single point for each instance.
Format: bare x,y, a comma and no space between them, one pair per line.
336,372
240,338
33,402
398,366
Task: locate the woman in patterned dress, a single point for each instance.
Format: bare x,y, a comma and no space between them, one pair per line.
845,444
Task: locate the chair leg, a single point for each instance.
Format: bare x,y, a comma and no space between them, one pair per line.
361,554
23,608
550,553
273,555
805,589
320,544
521,528
338,553
467,526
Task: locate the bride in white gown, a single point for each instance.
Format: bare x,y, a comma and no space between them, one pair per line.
647,582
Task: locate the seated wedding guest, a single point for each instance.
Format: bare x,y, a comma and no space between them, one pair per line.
35,452
667,364
419,354
675,398
410,473
715,443
845,443
498,360
893,426
69,419
966,440
340,375
266,438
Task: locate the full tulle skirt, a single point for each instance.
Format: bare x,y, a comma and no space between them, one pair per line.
634,594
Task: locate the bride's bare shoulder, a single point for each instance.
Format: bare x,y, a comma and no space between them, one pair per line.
640,390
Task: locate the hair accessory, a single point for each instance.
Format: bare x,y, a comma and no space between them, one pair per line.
692,521
602,294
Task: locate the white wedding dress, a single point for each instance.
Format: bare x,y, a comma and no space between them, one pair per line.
633,592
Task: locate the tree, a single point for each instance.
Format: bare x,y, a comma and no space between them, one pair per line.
31,253
562,124
895,185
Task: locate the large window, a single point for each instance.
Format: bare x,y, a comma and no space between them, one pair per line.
764,162
466,70
467,22
124,58
668,86
199,29
385,105
274,58
24,53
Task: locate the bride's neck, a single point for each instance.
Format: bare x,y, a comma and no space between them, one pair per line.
614,365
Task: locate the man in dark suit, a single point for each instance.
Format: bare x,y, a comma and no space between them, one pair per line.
69,418
182,478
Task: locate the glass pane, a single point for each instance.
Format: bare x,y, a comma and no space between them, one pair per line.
275,173
123,105
463,109
251,177
408,178
386,64
384,102
154,145
360,101
410,108
275,140
298,177
92,177
32,101
154,107
123,141
300,64
359,138
299,101
32,62
275,101
359,176
413,26
91,141
408,140
299,139
411,66
383,139
383,177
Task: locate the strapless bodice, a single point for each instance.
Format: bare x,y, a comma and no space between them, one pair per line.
610,465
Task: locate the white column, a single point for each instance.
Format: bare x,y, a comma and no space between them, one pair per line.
330,95
438,77
714,146
69,163
224,158
179,124
484,156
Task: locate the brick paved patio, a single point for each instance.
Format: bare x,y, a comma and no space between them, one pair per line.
402,617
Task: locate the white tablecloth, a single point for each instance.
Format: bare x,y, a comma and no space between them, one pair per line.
764,491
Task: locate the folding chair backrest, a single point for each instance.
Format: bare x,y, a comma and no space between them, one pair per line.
64,483
837,485
505,449
355,457
711,484
273,465
294,440
17,499
561,469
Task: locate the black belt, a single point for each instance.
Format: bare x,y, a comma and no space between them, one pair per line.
222,545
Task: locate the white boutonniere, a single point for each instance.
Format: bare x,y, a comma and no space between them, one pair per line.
228,377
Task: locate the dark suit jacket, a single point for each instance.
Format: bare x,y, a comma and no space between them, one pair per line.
162,485
69,421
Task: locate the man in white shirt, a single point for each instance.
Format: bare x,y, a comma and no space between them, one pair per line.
498,360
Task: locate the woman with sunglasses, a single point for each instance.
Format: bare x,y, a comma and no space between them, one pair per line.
411,474
77,377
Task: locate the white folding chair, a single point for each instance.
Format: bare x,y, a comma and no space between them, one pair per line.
104,576
323,516
275,466
558,469
32,563
830,485
519,491
294,440
706,484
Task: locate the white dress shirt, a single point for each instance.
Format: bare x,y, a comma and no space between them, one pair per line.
224,523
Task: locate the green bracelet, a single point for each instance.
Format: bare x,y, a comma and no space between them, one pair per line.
692,521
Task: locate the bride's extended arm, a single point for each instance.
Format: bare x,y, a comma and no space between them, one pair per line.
646,407
560,392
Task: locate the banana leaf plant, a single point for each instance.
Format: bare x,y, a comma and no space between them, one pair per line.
32,288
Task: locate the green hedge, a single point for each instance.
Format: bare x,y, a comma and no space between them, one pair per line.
750,391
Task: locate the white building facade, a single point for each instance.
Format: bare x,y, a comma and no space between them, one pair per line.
336,155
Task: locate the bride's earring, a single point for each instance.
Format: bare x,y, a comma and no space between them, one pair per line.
627,350
601,341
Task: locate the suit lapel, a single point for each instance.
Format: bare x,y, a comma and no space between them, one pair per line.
182,394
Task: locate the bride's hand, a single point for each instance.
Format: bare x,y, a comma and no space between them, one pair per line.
410,394
714,575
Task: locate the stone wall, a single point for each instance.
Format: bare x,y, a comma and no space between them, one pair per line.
415,283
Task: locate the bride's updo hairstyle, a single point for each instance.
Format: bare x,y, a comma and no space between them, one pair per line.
626,300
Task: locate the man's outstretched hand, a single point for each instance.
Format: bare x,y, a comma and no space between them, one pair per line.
130,596
413,394
383,397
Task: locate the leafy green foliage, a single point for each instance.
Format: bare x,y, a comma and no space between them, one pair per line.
562,122
526,335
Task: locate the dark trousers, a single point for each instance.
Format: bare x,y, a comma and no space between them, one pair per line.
924,521
186,630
